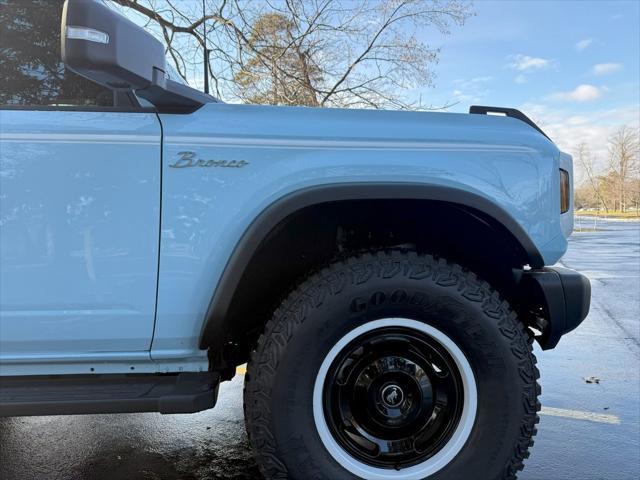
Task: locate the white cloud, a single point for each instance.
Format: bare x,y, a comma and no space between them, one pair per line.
524,63
520,79
462,97
582,44
605,68
568,130
471,90
464,83
582,93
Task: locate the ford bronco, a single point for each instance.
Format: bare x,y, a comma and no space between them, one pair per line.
383,273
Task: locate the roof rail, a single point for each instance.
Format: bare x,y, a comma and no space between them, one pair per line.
509,112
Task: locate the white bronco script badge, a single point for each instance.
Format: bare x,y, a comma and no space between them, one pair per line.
188,159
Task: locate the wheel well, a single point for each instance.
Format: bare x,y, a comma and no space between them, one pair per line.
315,235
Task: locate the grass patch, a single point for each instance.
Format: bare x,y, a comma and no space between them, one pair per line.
601,214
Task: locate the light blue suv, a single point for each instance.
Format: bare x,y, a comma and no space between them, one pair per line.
384,274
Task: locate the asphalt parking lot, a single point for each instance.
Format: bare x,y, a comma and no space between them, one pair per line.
589,430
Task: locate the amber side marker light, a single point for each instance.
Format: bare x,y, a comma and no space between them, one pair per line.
564,191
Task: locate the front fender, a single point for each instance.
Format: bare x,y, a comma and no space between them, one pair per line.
255,157
295,201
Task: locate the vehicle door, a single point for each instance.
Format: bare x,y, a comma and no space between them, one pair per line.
79,202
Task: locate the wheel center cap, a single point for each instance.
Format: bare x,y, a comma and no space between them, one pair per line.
392,396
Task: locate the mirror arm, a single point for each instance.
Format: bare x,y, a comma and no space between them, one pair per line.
173,97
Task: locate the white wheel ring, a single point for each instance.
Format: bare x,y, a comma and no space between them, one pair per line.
429,466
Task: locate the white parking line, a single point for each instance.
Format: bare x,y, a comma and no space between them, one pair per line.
579,415
548,411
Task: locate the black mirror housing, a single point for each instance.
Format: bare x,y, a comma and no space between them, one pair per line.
109,49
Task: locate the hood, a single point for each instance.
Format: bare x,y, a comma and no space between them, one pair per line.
371,126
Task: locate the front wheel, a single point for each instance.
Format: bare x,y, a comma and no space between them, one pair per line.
392,366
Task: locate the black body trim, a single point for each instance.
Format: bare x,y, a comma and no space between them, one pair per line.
91,394
289,204
509,112
175,97
565,296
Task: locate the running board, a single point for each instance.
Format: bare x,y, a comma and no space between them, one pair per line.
91,394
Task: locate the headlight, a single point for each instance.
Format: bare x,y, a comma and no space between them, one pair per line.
565,191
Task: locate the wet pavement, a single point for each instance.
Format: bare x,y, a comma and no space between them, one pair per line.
588,431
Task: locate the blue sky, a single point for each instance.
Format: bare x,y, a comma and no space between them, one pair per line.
573,66
529,50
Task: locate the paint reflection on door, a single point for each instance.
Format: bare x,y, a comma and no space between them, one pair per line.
79,226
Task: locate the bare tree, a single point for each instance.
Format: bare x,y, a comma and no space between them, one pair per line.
349,53
624,149
261,78
585,160
634,192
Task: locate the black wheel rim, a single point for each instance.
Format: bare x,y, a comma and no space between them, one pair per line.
393,397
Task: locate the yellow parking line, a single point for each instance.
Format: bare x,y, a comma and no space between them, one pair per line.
579,415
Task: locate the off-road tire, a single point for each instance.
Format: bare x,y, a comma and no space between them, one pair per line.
279,383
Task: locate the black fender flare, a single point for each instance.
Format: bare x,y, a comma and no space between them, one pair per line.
213,327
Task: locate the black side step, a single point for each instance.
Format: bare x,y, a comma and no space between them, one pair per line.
84,394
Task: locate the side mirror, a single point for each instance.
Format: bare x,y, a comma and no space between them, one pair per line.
100,44
109,49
